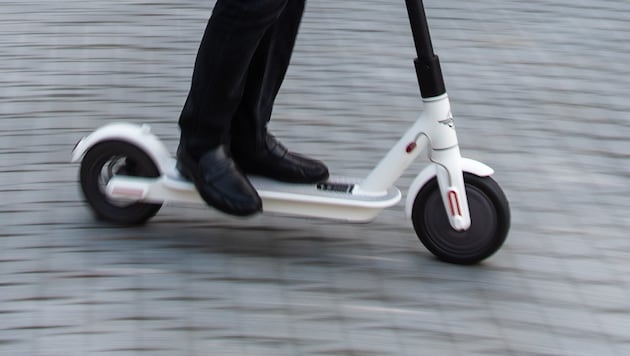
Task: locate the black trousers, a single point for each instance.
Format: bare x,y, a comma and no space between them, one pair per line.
240,65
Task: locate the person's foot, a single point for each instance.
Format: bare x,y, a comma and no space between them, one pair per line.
274,161
219,182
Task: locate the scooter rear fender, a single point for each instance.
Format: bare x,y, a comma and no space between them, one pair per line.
468,165
139,136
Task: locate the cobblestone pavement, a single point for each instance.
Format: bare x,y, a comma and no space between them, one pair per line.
540,92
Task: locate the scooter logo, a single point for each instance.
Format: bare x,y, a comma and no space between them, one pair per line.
448,121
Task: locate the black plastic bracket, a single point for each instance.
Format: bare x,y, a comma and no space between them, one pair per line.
430,77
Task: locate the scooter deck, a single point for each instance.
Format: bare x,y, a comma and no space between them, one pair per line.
333,199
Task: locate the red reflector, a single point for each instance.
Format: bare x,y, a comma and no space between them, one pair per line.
453,200
128,192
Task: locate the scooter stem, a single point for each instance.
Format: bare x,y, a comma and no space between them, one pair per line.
430,78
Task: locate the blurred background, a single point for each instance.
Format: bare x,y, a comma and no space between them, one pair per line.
539,91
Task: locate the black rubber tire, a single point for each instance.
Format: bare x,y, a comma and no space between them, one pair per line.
135,163
490,221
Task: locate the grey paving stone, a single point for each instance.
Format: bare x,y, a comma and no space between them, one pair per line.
539,92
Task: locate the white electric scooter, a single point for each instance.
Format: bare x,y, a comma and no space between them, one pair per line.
458,211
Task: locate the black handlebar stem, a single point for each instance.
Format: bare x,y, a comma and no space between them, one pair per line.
428,70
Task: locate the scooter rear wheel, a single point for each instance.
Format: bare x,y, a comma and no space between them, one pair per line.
106,160
490,221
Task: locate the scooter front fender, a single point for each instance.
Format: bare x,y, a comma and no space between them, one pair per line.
468,165
137,135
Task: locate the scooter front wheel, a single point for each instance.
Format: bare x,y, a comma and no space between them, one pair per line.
106,160
490,221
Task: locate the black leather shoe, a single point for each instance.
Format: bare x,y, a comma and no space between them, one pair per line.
219,182
274,161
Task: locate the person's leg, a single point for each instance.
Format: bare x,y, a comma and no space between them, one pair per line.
266,73
254,149
231,38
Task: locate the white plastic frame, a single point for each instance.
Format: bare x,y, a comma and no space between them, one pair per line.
432,132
